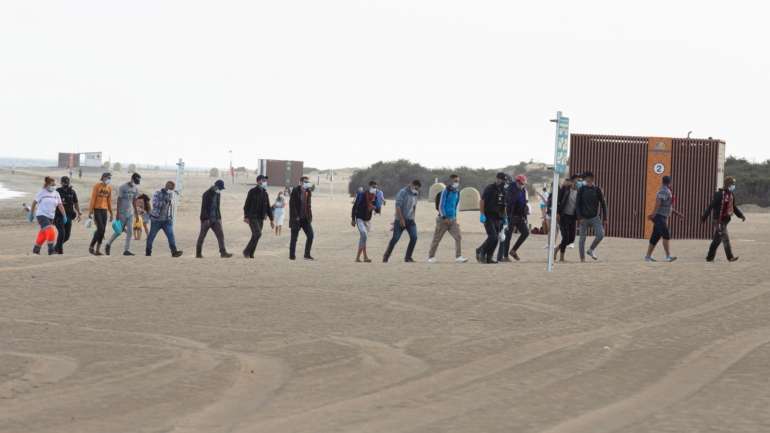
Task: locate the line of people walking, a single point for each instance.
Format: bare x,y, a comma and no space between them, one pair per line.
581,209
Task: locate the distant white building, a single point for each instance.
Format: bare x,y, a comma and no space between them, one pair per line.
91,159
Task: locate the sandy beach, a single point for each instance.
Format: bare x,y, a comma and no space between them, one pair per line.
156,344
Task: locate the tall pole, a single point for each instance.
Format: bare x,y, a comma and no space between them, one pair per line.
232,173
557,168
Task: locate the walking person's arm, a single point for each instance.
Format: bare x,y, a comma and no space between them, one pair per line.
710,209
604,206
738,212
269,211
76,205
92,202
109,203
246,205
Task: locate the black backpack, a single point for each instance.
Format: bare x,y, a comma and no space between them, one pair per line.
438,199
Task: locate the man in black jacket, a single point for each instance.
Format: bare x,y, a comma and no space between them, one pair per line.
492,214
721,209
255,210
590,200
301,217
516,210
69,199
211,218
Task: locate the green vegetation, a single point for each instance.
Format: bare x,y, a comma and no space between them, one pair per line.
752,180
394,175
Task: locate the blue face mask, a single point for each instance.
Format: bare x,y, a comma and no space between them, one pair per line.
580,184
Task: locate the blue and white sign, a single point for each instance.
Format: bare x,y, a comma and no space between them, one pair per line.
561,155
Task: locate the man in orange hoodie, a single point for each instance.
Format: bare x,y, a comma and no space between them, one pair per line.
98,207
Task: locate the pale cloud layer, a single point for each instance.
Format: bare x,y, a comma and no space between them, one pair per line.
347,83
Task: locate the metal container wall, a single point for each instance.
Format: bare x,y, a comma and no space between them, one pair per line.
619,164
69,160
619,167
282,172
695,175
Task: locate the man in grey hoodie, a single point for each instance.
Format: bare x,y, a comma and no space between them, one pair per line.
406,206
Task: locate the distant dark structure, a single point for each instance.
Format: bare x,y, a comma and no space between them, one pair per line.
629,171
69,160
280,172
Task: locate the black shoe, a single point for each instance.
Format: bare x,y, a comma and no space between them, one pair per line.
198,256
248,256
107,249
225,255
292,258
91,251
128,253
309,257
478,255
177,254
505,260
733,259
385,259
408,260
36,250
148,253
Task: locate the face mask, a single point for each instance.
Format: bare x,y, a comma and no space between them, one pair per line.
107,181
456,185
580,184
307,185
731,188
219,191
415,191
372,190
51,188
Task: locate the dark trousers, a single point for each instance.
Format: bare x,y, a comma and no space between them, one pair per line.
216,227
520,224
306,227
568,228
100,219
721,236
156,226
411,229
255,225
492,227
659,229
64,233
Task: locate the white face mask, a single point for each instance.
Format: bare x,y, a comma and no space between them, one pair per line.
219,191
415,191
107,181
372,190
264,184
731,188
307,185
51,188
456,185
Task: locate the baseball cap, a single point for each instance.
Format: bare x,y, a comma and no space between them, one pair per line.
261,177
502,176
521,179
220,184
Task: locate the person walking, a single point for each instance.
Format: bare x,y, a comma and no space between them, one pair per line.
446,221
589,202
516,212
142,216
279,212
721,209
126,207
659,217
301,217
492,215
162,218
211,219
364,206
69,200
255,210
47,201
406,208
98,208
566,215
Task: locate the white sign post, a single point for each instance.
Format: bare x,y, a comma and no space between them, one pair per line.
561,153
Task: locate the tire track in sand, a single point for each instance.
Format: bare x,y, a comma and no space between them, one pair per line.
43,370
693,373
354,414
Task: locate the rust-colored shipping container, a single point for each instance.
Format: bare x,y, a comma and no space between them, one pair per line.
69,160
281,172
629,171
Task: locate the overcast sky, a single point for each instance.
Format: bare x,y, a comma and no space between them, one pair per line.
350,82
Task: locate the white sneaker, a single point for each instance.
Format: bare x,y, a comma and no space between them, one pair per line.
432,260
571,246
592,255
669,259
649,259
461,259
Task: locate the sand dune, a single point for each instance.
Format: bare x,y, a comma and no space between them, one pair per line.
157,344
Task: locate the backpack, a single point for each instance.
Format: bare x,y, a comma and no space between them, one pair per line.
438,199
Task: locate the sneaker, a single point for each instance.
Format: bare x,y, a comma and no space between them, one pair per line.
225,255
709,260
514,255
91,251
431,260
669,259
128,253
309,257
107,249
461,259
592,255
478,255
177,254
292,258
385,259
198,256
649,259
408,260
571,246
733,259
36,250
505,259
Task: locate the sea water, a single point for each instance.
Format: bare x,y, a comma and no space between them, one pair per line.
7,193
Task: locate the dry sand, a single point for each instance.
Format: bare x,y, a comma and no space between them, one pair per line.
117,344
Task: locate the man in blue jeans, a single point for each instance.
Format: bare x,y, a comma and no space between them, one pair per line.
162,218
659,216
406,206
